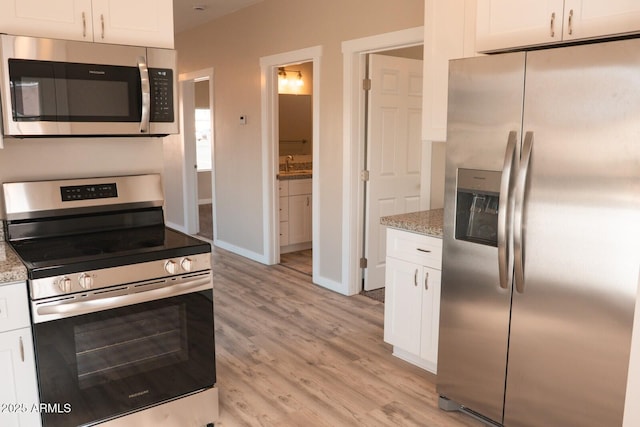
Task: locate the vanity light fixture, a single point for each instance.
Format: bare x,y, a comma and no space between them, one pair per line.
283,79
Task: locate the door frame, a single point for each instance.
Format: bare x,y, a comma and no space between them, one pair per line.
354,71
190,180
269,96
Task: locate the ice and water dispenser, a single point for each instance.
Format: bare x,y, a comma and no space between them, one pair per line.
478,194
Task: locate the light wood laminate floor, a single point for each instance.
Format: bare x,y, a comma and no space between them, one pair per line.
301,261
290,353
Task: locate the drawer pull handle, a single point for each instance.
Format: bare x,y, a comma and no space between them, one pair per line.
21,350
424,250
426,281
415,278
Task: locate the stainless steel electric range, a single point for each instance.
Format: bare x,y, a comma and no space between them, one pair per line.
122,306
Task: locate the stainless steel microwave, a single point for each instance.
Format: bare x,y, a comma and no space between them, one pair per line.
69,88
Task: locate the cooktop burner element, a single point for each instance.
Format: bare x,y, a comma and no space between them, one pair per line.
67,254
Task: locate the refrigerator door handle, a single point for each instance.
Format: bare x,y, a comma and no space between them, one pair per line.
518,245
504,214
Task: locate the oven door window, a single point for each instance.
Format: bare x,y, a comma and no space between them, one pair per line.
111,362
70,92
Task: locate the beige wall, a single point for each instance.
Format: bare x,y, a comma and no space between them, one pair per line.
233,46
204,186
202,94
63,158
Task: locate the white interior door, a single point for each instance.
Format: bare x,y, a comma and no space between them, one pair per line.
393,153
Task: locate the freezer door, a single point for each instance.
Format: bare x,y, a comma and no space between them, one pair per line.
485,112
572,314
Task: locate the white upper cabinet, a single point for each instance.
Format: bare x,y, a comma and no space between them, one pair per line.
63,19
509,24
586,19
503,24
138,23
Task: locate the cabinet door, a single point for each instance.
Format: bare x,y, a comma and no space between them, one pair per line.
505,24
61,19
596,18
402,304
284,233
430,314
283,208
299,218
141,22
18,373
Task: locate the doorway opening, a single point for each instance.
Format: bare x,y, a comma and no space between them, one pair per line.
295,165
392,151
199,153
355,70
204,157
289,203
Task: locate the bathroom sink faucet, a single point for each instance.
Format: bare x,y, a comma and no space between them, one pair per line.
286,162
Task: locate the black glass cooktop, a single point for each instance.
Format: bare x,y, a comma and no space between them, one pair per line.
53,256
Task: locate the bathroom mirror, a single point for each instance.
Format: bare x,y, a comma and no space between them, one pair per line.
295,124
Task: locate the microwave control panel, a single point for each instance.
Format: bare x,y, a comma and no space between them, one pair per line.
161,85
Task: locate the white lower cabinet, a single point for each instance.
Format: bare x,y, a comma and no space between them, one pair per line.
19,390
295,214
299,218
412,297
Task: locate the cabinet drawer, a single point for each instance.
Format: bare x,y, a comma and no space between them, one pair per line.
14,307
299,186
416,248
283,188
284,209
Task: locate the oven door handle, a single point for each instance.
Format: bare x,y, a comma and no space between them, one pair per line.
71,307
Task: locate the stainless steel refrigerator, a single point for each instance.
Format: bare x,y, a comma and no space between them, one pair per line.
541,235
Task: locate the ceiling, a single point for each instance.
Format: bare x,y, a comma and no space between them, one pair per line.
188,14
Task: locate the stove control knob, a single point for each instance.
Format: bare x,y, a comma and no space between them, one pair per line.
64,284
186,264
85,280
171,267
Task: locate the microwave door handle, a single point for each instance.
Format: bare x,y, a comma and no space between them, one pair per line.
146,94
504,212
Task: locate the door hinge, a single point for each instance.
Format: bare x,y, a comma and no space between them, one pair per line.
363,262
364,175
366,84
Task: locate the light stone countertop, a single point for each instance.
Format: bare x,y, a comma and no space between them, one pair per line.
423,222
11,268
289,176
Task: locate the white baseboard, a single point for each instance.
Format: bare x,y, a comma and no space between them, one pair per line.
295,247
332,285
175,226
261,258
415,360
